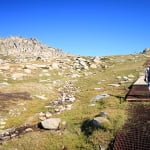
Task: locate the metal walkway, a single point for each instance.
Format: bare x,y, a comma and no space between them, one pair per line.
139,91
135,134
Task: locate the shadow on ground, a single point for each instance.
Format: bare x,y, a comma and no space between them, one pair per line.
87,127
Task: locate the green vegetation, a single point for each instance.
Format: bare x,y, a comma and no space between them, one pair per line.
78,134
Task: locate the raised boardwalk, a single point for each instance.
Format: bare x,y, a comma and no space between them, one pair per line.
135,134
139,91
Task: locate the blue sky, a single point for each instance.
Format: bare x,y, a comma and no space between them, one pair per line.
82,27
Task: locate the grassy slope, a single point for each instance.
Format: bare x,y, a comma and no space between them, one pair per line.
73,137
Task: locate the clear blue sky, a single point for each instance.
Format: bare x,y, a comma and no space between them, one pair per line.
82,27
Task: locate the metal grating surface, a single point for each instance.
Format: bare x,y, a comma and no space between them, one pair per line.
138,93
135,135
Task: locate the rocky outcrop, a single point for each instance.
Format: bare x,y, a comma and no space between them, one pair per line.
146,51
23,49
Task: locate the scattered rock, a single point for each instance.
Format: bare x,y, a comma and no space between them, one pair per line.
28,71
55,65
5,67
91,105
93,66
2,127
41,97
69,106
75,75
131,76
4,83
118,77
18,76
42,118
96,60
41,114
29,130
99,97
2,122
30,67
10,133
115,85
97,88
125,78
48,114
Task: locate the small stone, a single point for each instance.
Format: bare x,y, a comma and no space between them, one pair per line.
41,97
41,114
4,67
42,118
2,127
45,71
115,85
99,97
125,78
48,114
75,75
93,66
5,138
99,82
69,106
29,130
2,122
4,83
13,135
131,76
97,88
48,106
98,121
72,99
91,105
64,123
103,114
118,77
18,76
27,71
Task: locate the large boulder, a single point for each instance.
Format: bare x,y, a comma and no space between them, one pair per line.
51,124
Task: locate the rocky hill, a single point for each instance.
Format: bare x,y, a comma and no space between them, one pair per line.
82,97
22,49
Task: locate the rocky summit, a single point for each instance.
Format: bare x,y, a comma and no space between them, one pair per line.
21,49
146,51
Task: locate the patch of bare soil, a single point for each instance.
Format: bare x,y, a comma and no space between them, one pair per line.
8,100
10,96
